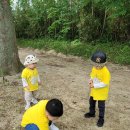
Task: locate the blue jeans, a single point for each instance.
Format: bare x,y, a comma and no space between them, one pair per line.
31,127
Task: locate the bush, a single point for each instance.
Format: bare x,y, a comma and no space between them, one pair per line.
117,53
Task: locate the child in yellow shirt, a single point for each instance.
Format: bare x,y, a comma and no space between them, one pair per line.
30,79
38,116
99,86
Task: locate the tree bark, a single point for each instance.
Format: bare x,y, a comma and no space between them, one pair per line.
9,59
104,22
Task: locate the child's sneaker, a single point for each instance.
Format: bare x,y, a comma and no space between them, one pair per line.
34,101
89,115
100,122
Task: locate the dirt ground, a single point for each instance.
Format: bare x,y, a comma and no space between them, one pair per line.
66,78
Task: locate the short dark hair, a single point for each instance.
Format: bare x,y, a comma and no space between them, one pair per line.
55,107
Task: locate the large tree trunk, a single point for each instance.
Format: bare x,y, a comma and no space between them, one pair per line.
9,60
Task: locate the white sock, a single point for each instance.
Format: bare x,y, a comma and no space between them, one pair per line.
27,105
34,101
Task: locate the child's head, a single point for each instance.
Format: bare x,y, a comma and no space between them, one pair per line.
99,59
54,109
31,61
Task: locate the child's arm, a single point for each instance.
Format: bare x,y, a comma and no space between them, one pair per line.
25,84
99,85
104,82
39,80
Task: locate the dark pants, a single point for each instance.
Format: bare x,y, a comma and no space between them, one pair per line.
101,106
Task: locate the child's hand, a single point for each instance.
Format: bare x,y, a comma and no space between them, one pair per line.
27,87
40,83
91,83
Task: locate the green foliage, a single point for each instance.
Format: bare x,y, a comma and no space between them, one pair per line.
87,20
89,30
123,56
117,53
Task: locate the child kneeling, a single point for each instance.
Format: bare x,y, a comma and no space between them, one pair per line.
40,115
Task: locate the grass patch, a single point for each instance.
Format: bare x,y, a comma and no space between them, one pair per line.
117,53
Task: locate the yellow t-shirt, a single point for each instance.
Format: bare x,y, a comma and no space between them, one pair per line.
31,77
36,115
103,75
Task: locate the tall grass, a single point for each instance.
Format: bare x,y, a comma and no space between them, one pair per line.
116,52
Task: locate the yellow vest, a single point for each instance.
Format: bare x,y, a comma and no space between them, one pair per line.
103,75
36,115
31,77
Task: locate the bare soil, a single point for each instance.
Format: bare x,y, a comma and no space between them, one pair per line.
66,79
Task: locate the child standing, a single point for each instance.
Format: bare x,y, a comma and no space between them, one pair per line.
99,86
30,79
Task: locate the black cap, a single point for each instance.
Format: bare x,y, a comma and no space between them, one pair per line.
99,57
55,107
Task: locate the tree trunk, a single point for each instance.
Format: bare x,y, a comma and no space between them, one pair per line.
9,60
92,7
104,22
